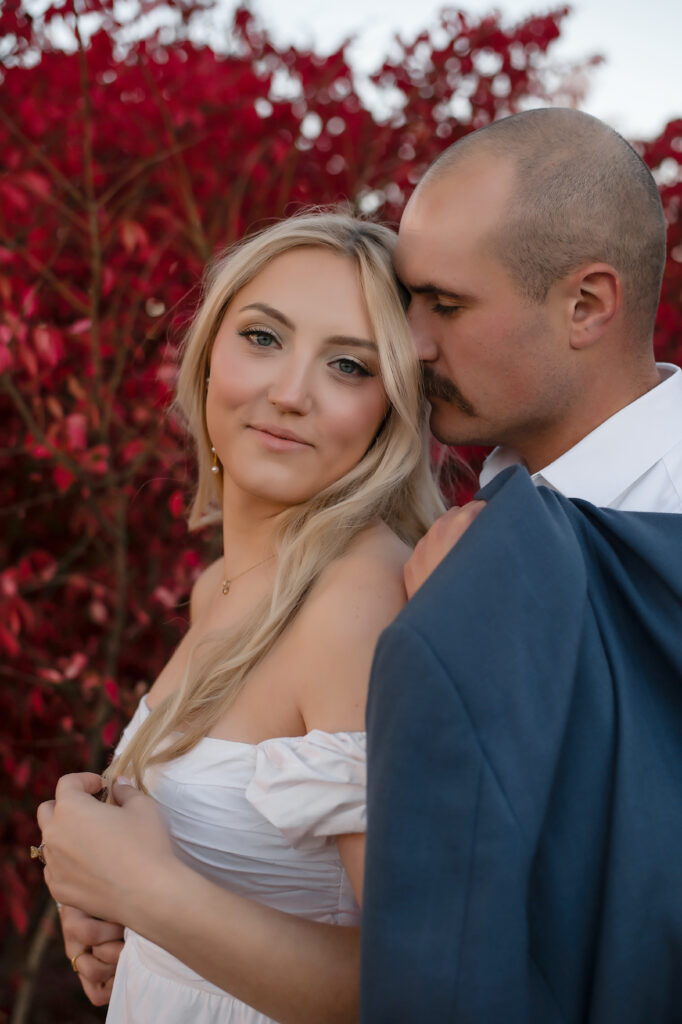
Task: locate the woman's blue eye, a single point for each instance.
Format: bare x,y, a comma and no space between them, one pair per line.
349,368
260,338
442,310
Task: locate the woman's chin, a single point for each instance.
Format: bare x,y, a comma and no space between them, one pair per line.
273,500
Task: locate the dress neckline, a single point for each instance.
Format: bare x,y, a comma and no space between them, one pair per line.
270,739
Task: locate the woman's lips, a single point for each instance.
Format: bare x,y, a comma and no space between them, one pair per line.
276,442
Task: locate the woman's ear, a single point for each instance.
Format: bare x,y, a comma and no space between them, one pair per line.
597,297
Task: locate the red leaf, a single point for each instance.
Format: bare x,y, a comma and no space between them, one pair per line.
76,425
48,343
176,504
36,702
8,582
111,690
133,235
9,642
63,478
98,612
6,359
110,731
75,665
22,774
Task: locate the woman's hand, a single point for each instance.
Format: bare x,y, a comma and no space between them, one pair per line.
99,856
102,942
118,862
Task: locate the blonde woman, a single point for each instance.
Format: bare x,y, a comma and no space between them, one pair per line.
300,385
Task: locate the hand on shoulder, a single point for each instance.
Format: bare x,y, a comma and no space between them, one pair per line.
435,545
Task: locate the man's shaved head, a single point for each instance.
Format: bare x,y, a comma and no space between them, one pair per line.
581,194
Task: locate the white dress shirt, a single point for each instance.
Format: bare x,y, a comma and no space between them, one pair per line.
632,461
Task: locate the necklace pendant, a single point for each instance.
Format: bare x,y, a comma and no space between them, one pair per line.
226,586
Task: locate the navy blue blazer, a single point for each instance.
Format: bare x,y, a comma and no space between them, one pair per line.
524,848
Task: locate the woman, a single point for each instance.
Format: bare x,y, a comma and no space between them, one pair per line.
300,385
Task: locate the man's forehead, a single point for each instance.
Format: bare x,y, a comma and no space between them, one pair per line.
451,217
424,244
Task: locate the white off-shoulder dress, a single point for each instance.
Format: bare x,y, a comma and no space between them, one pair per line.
260,820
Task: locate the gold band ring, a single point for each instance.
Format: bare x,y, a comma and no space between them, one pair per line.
74,958
37,853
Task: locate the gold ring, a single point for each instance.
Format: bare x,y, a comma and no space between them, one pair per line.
37,853
74,958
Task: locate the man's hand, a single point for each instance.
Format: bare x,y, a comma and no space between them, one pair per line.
103,942
434,545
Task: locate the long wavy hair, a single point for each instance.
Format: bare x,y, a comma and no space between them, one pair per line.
393,480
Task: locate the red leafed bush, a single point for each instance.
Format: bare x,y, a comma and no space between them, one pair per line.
127,163
664,157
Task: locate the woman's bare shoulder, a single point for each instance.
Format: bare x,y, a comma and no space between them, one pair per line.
334,635
376,556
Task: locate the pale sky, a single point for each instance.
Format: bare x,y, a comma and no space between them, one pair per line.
637,90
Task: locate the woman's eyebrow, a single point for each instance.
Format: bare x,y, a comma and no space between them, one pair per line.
270,311
336,339
342,339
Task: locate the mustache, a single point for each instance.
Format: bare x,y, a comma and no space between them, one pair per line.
436,386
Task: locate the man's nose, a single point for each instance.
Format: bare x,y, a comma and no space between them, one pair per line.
291,388
427,350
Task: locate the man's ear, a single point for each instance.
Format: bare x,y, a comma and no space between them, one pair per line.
596,298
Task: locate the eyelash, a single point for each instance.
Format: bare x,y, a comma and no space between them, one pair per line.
362,371
442,310
252,332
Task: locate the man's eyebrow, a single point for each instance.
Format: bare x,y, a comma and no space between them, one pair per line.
270,311
433,289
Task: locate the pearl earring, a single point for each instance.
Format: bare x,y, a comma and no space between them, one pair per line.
215,468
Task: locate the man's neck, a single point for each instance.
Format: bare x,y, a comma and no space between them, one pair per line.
543,448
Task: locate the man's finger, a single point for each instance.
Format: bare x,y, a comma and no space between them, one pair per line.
79,782
471,508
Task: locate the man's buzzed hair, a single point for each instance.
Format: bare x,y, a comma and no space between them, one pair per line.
581,194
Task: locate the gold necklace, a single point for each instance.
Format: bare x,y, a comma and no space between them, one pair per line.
228,583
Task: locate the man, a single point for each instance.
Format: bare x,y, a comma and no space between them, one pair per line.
501,796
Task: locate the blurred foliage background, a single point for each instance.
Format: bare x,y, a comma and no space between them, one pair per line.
130,156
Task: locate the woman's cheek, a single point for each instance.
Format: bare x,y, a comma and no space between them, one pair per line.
354,429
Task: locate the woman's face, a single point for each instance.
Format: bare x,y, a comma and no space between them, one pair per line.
294,396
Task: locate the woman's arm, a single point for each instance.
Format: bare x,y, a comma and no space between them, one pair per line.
117,861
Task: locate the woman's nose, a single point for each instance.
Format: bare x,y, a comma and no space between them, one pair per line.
291,388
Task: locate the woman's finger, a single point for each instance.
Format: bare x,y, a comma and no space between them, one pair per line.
98,994
79,782
108,952
123,792
90,931
44,813
92,970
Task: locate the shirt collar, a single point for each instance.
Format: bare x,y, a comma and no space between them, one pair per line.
614,455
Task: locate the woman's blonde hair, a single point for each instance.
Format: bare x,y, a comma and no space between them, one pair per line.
393,481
